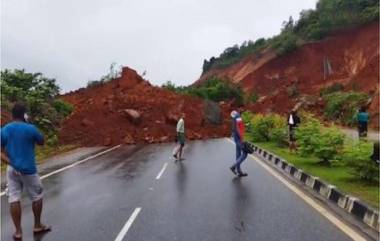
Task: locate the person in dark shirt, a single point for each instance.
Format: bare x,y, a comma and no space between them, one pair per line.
363,118
18,140
293,122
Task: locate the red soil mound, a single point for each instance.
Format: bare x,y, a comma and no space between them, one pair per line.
130,110
353,55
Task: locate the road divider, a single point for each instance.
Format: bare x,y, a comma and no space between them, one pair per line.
128,224
73,165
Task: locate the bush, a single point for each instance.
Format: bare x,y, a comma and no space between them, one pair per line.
307,135
254,97
357,157
293,91
329,144
214,89
325,143
342,106
285,43
63,107
247,117
331,89
279,135
265,127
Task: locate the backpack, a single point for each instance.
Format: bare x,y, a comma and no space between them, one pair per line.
246,147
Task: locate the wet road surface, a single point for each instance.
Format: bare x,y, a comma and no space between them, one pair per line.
197,199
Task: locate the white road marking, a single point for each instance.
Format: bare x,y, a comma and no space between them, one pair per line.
74,164
128,224
324,212
162,171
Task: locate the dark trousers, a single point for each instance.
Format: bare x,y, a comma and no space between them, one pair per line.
240,157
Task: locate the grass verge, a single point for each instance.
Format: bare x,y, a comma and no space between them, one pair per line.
337,175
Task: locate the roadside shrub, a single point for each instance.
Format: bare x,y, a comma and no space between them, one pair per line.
329,144
264,127
357,157
307,135
247,117
342,106
279,135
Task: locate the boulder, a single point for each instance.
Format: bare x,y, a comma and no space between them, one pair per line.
212,113
85,122
133,116
128,139
164,138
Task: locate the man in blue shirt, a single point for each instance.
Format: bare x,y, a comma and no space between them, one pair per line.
18,140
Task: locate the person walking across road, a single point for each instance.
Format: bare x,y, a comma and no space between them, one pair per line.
177,153
363,118
18,140
238,136
293,122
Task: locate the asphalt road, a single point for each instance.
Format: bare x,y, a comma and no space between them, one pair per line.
197,199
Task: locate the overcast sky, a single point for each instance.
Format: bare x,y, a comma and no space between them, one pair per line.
76,40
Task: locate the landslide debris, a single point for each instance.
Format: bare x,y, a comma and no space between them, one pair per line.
130,110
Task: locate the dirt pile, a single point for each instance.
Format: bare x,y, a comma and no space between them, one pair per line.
130,110
353,55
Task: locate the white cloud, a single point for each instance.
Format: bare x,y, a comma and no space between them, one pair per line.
76,41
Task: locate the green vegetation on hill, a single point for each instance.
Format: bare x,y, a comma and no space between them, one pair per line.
329,16
342,107
40,95
214,89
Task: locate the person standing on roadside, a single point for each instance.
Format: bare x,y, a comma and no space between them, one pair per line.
180,137
18,140
238,136
363,118
293,122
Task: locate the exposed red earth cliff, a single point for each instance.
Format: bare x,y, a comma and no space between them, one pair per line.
130,110
352,53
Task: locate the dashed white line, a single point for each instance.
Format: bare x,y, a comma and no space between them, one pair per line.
162,171
324,212
74,164
128,224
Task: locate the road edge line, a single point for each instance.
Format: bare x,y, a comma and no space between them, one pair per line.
318,207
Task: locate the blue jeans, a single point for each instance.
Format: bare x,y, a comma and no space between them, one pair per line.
240,157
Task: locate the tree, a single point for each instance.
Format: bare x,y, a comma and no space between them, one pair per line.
39,93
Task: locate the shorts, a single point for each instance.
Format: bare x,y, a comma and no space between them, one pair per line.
17,182
292,134
181,138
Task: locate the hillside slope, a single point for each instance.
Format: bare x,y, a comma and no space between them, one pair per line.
353,55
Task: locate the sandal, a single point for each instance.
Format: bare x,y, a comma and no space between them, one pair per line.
17,238
43,229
